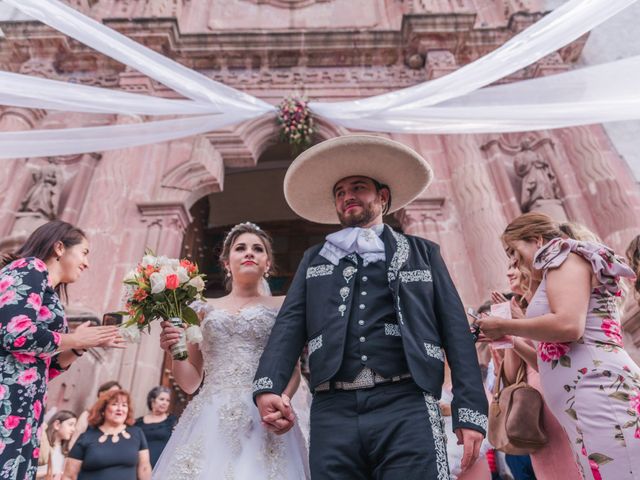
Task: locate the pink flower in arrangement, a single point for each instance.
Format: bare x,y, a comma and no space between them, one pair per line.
44,314
5,282
7,297
634,401
552,351
39,265
21,262
611,329
19,342
27,377
27,434
34,301
37,408
11,422
172,282
24,357
20,323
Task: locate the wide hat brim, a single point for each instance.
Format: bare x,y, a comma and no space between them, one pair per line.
309,182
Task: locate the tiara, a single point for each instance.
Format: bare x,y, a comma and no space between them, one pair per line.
238,227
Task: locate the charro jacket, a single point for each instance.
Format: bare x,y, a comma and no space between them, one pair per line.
430,315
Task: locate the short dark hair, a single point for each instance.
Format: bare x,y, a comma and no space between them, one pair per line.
155,393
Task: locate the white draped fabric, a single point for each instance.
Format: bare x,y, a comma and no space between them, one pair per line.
451,104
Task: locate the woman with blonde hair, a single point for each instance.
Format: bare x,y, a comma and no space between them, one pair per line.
590,383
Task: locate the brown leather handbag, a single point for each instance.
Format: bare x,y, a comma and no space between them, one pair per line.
515,415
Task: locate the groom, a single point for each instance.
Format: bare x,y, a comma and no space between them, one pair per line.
380,314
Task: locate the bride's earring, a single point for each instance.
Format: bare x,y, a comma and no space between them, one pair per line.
228,274
266,274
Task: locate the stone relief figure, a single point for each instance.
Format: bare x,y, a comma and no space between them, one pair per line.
43,197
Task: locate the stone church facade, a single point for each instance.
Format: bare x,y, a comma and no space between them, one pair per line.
179,197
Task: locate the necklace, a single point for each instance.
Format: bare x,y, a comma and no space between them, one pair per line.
115,437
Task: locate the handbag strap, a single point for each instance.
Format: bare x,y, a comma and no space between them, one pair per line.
501,379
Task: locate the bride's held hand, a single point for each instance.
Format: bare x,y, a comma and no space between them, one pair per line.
169,336
276,412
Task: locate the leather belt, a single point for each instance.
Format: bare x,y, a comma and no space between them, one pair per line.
367,378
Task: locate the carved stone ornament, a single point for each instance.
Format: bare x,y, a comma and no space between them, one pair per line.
288,3
43,198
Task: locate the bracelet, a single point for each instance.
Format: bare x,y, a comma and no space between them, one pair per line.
77,353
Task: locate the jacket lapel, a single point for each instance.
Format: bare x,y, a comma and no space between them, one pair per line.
396,249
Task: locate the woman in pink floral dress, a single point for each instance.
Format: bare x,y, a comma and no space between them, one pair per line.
35,345
590,383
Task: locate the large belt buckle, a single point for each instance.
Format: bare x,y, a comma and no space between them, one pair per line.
365,379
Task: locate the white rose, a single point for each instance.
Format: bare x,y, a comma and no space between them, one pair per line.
130,276
183,275
198,283
148,260
164,261
193,334
157,282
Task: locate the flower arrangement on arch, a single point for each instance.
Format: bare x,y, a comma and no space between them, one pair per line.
296,121
163,288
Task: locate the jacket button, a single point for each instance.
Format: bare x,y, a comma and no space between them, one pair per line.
361,322
362,339
364,358
365,278
362,307
364,294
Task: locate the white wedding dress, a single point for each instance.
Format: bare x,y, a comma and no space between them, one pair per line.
219,435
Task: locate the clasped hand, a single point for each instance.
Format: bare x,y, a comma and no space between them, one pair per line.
276,412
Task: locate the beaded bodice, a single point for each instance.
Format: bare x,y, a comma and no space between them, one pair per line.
232,344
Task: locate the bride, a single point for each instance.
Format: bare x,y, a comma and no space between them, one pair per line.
220,435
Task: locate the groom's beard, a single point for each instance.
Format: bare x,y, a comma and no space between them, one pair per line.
365,217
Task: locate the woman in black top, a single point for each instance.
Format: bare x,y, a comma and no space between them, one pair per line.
158,424
112,447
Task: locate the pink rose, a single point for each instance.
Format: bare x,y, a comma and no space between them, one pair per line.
24,357
44,314
37,408
19,342
39,265
20,323
27,377
2,445
172,282
611,329
56,338
36,452
5,282
27,434
595,470
552,351
11,422
634,401
34,301
21,262
7,297
53,373
3,391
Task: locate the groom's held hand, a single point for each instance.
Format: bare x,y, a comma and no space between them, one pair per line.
276,412
471,441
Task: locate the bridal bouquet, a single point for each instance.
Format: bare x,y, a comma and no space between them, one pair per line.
163,288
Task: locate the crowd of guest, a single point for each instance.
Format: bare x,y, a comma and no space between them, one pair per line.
566,292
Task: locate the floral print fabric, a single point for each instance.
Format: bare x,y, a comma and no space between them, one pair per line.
31,321
592,386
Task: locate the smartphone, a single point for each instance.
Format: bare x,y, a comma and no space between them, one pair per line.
112,318
475,329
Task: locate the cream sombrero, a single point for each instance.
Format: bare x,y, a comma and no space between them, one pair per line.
309,182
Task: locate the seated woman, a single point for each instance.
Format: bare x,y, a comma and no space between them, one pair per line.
112,447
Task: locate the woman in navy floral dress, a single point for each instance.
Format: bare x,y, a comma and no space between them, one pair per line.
35,345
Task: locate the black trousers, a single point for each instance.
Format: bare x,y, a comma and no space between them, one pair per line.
388,432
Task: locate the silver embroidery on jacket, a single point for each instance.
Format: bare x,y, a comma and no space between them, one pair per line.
439,437
392,329
434,351
467,415
262,383
400,256
416,276
319,271
315,344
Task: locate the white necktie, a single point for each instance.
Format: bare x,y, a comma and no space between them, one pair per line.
363,241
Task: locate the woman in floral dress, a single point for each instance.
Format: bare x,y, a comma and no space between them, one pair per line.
35,345
589,381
